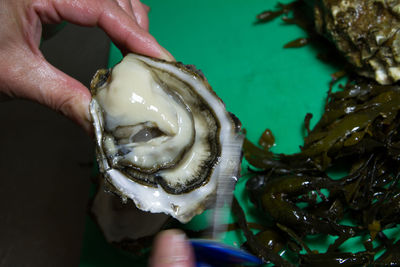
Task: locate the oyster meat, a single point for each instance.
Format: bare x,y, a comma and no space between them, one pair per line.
164,138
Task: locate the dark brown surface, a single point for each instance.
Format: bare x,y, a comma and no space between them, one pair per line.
45,164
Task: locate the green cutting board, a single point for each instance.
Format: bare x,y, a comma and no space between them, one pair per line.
263,84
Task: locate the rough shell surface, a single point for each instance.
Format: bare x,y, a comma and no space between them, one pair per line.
366,32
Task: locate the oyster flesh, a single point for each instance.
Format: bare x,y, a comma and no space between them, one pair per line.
164,138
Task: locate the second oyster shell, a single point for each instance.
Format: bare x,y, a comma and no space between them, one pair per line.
366,32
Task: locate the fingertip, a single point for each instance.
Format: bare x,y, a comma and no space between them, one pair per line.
164,54
72,99
82,113
145,44
171,248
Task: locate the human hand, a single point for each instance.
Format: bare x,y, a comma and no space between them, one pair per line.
25,73
171,249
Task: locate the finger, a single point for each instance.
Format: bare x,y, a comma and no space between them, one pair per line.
126,6
171,248
37,80
146,8
107,14
140,14
137,11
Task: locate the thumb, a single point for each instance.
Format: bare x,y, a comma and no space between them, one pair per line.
38,80
171,248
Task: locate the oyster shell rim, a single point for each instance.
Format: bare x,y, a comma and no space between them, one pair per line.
228,133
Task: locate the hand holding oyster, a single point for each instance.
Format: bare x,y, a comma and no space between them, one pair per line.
164,138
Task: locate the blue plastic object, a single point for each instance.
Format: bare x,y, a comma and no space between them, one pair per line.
212,253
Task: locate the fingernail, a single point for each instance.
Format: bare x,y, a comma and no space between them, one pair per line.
172,249
164,54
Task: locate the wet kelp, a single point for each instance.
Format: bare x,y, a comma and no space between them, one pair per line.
302,197
359,131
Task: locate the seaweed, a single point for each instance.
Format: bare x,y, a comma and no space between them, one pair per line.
359,130
301,196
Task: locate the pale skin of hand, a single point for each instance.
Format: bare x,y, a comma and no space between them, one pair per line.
25,73
172,249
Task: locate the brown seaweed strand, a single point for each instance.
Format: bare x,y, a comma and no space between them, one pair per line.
293,235
265,253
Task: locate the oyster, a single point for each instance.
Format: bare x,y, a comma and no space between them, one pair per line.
366,32
164,138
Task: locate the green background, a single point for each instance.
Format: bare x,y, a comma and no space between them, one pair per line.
263,84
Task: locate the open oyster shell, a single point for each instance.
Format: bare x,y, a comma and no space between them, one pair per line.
164,138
